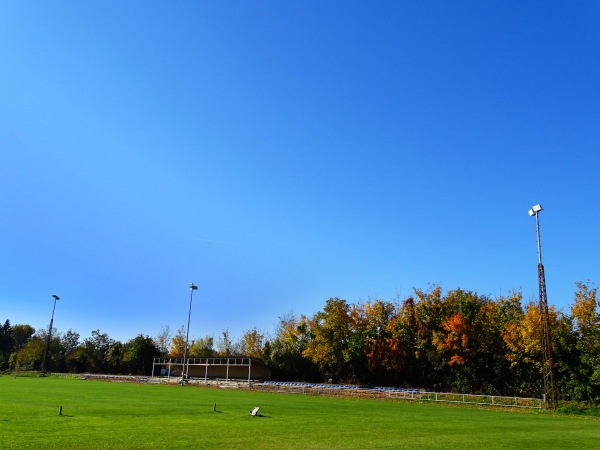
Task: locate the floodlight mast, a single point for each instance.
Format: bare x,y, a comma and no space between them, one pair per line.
184,369
56,297
547,369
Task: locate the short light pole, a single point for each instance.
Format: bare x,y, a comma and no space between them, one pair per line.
184,370
547,370
56,297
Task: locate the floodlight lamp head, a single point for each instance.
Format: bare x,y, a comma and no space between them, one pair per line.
536,209
193,287
56,297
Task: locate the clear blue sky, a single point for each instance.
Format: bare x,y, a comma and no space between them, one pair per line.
280,153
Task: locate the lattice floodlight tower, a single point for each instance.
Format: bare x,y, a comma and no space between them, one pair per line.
547,371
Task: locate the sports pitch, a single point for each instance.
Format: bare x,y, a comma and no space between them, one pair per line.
109,415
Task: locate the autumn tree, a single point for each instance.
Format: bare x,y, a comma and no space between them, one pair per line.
569,379
379,314
587,329
163,340
226,346
454,339
177,347
524,350
330,330
284,353
252,343
512,319
491,370
468,341
401,354
367,347
430,313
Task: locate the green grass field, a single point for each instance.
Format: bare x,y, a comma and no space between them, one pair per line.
104,415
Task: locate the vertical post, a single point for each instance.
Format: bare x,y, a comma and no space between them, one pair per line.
185,368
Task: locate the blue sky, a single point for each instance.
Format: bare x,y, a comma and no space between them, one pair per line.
281,153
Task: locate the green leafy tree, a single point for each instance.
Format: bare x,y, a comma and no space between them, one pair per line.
203,347
69,344
100,353
7,343
30,356
52,350
114,358
21,334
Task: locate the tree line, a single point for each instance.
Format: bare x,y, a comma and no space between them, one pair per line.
457,340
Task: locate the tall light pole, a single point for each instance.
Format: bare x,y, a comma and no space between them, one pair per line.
56,297
547,370
184,370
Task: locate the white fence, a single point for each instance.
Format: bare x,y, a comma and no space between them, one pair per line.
397,393
493,400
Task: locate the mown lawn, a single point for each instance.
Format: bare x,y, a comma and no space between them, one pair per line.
105,415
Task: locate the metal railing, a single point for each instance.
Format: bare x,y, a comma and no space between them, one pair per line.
335,390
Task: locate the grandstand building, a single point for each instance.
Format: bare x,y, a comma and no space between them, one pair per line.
227,368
